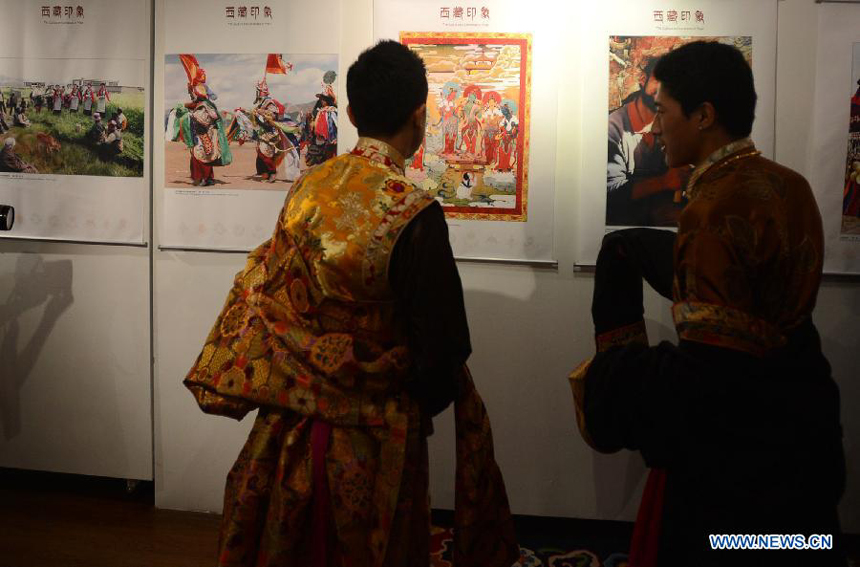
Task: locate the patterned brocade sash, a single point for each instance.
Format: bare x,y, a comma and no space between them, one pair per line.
633,333
723,326
267,349
484,533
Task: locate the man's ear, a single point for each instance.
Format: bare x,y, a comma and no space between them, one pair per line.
420,116
351,115
707,115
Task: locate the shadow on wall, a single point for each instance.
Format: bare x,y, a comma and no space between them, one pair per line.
36,283
523,350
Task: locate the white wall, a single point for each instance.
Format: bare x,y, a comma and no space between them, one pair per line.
76,395
529,328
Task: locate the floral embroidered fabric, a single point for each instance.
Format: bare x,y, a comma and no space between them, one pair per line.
309,332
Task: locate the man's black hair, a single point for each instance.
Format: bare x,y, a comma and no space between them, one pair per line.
385,86
705,71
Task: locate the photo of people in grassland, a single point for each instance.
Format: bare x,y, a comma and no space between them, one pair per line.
72,117
248,121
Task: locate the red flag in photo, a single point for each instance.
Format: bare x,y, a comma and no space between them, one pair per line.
195,73
276,65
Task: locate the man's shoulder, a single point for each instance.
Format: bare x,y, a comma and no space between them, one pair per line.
370,174
778,171
752,184
763,178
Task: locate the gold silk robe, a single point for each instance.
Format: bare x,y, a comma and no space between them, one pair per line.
309,333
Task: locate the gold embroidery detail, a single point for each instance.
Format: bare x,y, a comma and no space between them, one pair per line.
331,351
299,296
724,326
577,387
235,320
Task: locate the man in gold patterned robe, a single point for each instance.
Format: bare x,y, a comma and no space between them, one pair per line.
739,422
347,330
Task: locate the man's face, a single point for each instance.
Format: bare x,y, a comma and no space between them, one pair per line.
679,134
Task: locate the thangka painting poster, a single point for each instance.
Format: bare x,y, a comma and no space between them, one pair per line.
73,119
490,146
231,128
248,98
851,192
474,159
641,190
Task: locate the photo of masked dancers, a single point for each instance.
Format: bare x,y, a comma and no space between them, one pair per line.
248,121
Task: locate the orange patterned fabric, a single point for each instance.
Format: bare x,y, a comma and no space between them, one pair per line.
633,333
309,332
749,253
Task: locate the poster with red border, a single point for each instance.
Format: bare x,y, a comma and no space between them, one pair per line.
490,151
474,160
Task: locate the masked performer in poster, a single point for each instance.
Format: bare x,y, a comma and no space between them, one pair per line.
323,125
347,330
199,125
272,142
275,140
739,422
329,110
641,189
